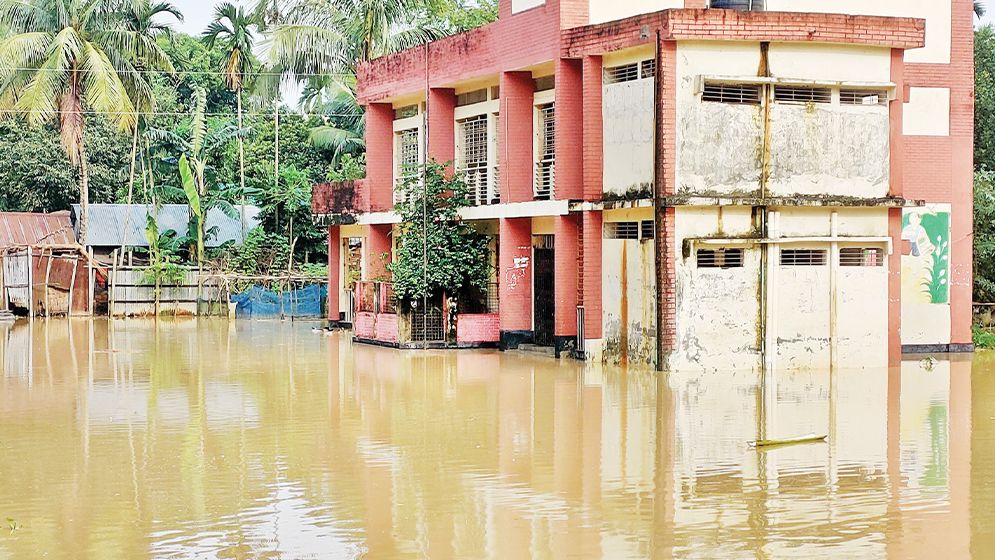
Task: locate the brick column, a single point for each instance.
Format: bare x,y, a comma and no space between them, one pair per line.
334,271
566,255
441,123
592,275
594,131
895,179
379,156
666,284
515,149
569,98
515,281
377,244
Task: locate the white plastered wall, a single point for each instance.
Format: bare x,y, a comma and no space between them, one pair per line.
628,131
628,293
718,310
923,322
937,14
927,113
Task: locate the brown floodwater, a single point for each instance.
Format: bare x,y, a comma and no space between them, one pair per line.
209,439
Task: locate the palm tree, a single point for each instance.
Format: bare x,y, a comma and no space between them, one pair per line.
63,60
232,29
979,8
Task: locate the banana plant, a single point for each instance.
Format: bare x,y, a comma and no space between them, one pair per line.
192,179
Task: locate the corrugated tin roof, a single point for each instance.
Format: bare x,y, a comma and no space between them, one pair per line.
114,225
27,228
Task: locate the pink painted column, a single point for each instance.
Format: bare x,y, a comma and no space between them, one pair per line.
515,136
593,120
515,287
379,157
592,223
334,266
569,131
566,255
441,125
378,252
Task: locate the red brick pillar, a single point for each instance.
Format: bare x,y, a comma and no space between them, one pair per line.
515,136
379,156
566,254
441,125
895,123
378,251
515,287
334,271
592,275
569,98
593,134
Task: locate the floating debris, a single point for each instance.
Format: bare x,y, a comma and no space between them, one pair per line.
810,438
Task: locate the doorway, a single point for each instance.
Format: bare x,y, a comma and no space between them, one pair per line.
543,290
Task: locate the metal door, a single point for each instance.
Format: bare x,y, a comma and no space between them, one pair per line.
543,289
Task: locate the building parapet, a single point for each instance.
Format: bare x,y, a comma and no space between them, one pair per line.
338,202
735,25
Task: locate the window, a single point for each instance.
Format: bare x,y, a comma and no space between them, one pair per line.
647,68
408,158
861,256
545,83
791,94
405,112
471,97
749,5
473,158
545,169
748,94
621,230
495,92
719,258
630,72
863,97
803,257
646,229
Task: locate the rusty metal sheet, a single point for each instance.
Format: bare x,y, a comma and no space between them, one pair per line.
26,228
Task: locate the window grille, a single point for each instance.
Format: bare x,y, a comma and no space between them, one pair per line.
792,94
647,229
471,97
623,73
427,324
863,97
545,83
496,173
473,158
803,257
408,160
861,256
748,94
405,112
647,68
719,258
545,170
749,5
621,230
543,241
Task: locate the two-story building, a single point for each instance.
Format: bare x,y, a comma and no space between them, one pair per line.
700,185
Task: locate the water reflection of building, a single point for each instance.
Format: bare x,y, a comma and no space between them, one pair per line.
319,447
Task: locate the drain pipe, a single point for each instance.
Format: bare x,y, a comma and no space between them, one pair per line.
659,212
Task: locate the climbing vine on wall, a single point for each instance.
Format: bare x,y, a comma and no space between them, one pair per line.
457,256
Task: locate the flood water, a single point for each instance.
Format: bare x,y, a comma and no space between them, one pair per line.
209,439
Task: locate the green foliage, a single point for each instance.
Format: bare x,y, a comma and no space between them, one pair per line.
163,265
349,168
984,236
263,253
982,337
984,98
457,257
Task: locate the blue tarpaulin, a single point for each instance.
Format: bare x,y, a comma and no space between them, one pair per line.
260,302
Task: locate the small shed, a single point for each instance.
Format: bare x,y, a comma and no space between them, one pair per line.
44,271
113,226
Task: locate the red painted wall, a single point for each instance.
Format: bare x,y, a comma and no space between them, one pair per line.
334,265
472,329
515,149
515,286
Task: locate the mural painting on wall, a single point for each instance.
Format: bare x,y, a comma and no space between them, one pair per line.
926,255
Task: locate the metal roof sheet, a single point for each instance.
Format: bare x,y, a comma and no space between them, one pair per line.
27,228
114,225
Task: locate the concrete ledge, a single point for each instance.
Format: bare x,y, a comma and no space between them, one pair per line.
937,348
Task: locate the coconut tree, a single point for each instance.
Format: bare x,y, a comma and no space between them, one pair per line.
979,8
232,29
64,60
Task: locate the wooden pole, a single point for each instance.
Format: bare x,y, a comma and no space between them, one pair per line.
31,282
3,280
72,286
91,279
48,275
111,295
